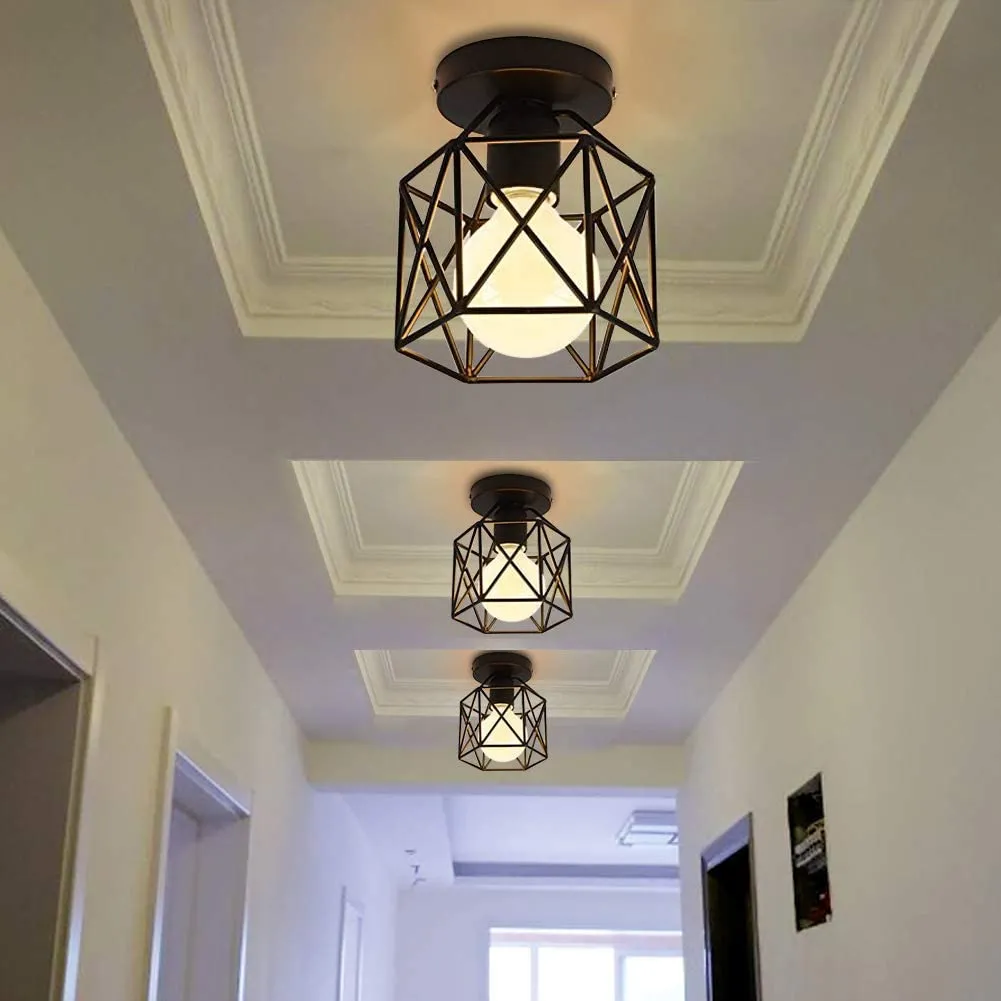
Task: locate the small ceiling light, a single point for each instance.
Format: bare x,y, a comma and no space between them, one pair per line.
491,275
502,723
511,570
650,829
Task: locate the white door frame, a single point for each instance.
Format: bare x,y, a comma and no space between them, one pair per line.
181,753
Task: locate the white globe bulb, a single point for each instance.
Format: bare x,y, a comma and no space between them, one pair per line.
506,576
502,734
524,278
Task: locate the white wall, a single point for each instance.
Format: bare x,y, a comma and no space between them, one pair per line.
81,522
443,933
884,672
341,855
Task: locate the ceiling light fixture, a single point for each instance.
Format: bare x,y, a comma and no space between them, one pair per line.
511,570
491,278
650,829
502,723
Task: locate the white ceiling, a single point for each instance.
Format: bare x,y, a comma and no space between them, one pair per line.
772,118
604,505
638,528
574,830
502,837
341,96
579,684
827,185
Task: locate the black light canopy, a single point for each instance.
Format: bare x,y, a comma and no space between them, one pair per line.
511,570
493,283
502,723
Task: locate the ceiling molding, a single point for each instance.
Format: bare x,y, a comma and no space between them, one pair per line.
659,573
392,695
877,66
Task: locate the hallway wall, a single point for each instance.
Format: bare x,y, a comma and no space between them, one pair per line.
81,522
884,672
443,933
341,856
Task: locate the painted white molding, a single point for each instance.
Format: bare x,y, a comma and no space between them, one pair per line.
161,838
76,848
392,695
873,76
659,573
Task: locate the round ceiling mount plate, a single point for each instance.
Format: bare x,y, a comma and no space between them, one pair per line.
510,490
562,74
502,664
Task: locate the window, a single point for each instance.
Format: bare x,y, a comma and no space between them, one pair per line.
536,965
653,978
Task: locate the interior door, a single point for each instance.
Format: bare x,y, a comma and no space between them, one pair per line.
43,716
730,919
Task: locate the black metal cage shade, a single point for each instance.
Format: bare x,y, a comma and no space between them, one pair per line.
512,575
502,727
607,199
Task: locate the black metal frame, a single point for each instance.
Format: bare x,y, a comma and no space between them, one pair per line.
429,310
513,509
503,681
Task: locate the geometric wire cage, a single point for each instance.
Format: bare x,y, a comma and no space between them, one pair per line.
511,571
502,723
518,156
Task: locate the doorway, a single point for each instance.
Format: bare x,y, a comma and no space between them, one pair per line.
728,899
198,937
44,712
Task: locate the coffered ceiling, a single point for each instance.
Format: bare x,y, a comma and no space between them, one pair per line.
579,684
204,195
638,528
772,118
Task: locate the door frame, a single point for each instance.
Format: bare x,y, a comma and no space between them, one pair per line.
731,841
182,753
61,639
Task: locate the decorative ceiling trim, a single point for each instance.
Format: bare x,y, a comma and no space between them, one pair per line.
659,573
877,66
392,695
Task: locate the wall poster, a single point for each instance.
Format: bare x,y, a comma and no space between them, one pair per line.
808,841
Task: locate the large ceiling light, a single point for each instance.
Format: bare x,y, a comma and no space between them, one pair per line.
526,244
502,723
511,570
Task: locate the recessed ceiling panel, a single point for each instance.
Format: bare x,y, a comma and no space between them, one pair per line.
637,528
577,684
765,124
343,105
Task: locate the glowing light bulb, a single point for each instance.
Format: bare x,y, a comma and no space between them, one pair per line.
524,278
502,732
509,595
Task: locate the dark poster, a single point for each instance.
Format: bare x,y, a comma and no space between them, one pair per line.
808,840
